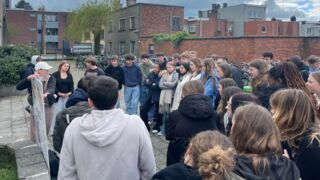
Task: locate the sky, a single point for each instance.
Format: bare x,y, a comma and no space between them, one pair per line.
281,9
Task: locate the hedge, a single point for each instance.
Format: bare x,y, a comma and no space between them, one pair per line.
13,59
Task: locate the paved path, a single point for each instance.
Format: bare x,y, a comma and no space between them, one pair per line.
14,120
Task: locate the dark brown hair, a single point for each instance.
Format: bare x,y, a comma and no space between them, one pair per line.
226,69
91,60
226,94
262,67
62,63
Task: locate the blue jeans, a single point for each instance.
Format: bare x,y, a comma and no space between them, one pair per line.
131,97
144,91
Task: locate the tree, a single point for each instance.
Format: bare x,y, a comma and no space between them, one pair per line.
91,17
23,5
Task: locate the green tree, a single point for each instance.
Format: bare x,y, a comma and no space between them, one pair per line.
91,17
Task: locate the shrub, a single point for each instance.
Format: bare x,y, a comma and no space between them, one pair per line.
175,39
13,60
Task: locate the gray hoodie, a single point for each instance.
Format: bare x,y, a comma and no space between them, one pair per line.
107,145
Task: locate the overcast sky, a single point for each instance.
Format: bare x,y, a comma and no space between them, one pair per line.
302,9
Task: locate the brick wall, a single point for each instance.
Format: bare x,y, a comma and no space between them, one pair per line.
19,24
247,49
157,18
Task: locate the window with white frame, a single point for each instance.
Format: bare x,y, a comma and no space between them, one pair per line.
132,22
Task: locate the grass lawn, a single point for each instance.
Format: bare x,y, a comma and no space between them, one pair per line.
8,166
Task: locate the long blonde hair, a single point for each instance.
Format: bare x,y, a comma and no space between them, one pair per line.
295,115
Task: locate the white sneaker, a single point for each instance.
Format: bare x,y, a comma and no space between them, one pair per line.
160,134
155,131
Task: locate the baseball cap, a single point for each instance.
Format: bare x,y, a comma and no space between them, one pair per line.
42,65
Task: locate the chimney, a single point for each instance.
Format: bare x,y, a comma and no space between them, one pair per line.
224,5
131,2
293,18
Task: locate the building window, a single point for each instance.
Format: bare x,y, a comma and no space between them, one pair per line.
175,23
52,45
308,30
110,48
122,46
122,25
110,27
52,31
102,34
132,22
32,15
32,29
193,29
263,29
254,14
51,18
132,47
151,48
87,36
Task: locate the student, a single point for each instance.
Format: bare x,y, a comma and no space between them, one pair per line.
223,70
92,68
107,140
268,58
115,71
64,88
162,61
295,115
195,69
64,118
303,69
210,81
235,101
195,114
152,82
256,139
313,85
184,76
49,88
210,155
132,81
314,64
168,83
146,67
258,71
224,83
29,70
227,93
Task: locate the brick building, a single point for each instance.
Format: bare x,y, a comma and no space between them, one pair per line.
134,25
271,28
208,25
40,29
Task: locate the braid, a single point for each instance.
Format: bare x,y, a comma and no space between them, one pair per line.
293,79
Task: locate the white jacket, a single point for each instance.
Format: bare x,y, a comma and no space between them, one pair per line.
107,145
178,93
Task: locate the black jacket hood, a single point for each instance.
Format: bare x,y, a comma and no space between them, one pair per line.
196,106
280,167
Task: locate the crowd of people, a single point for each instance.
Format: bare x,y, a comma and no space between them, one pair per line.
219,124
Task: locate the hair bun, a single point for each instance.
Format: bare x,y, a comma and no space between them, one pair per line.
216,162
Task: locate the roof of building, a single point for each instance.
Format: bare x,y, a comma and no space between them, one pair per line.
33,10
151,4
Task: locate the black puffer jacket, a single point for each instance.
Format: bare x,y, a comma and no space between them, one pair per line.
279,168
195,114
64,118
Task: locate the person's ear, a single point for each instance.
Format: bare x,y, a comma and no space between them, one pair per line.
90,103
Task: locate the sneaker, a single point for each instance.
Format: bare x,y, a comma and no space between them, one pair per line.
155,131
160,134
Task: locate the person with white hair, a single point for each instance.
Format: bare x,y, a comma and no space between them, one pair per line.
49,86
30,67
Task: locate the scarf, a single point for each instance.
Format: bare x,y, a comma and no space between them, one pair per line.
165,100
